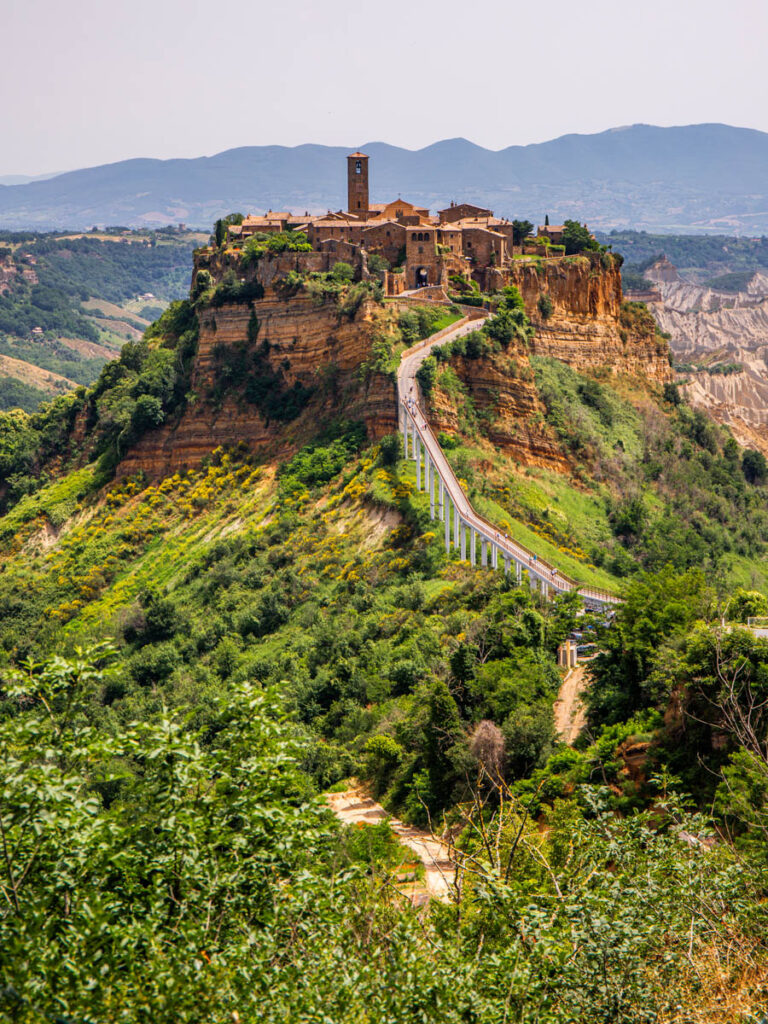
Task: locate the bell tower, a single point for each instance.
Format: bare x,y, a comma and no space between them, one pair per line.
357,185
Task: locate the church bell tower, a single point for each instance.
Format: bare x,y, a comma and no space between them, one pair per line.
357,185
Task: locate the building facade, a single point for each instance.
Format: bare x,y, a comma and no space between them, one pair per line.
463,239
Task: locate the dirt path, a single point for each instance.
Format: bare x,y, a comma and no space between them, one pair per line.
569,713
353,806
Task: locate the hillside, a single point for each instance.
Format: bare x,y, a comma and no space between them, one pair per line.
695,178
228,515
69,302
718,332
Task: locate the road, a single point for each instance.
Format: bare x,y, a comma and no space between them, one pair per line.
570,717
354,806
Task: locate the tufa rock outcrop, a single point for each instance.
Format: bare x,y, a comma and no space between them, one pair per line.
257,355
278,358
585,324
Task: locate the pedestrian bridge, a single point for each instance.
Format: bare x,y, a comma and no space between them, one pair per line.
466,532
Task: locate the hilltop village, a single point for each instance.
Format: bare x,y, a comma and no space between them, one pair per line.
463,242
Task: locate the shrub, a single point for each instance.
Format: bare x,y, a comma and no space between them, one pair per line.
754,466
342,271
426,375
390,447
377,263
546,306
281,241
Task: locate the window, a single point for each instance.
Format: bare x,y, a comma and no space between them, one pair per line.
421,248
358,167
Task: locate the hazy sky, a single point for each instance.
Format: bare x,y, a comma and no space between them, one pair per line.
92,81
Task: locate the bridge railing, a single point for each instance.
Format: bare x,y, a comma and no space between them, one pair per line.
539,567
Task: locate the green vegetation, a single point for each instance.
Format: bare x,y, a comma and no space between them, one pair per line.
577,238
709,509
521,229
731,282
546,306
162,804
185,664
54,282
16,395
633,280
714,369
138,391
724,253
282,241
54,356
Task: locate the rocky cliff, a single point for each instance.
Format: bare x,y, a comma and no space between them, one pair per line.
586,324
280,349
711,328
285,345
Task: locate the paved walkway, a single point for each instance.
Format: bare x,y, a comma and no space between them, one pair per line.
354,806
410,406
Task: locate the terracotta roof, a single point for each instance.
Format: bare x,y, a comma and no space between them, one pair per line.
485,230
469,206
250,221
335,222
551,227
359,154
381,223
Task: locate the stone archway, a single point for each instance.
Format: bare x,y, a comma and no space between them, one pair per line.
422,277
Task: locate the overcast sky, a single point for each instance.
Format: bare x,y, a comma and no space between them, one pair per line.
93,81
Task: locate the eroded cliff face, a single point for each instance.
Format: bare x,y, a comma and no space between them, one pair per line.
277,343
504,394
284,345
711,327
589,328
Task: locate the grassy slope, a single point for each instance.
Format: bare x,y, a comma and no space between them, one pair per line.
623,443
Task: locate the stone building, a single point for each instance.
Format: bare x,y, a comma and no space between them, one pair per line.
462,239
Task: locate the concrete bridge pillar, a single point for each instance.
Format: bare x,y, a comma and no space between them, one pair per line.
418,462
429,472
519,572
483,551
506,565
456,523
534,582
463,536
473,545
442,498
494,557
544,587
448,525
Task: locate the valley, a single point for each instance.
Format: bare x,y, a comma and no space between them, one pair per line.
69,302
716,317
227,605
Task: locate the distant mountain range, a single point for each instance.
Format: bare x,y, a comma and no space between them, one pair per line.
699,178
